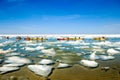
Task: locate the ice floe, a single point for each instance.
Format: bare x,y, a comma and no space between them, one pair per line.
40,47
104,57
112,51
49,52
16,59
93,56
6,69
63,65
107,43
89,63
42,70
13,65
46,61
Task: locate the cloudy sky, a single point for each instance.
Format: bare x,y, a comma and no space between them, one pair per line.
60,16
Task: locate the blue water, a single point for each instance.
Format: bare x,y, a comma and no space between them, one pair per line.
67,51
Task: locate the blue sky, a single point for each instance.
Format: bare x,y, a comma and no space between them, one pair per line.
60,16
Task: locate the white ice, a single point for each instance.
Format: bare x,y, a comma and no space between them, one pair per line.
13,65
63,65
16,59
46,61
6,69
104,57
43,70
89,63
49,52
112,51
93,56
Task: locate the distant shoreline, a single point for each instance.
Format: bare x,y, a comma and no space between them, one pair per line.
64,35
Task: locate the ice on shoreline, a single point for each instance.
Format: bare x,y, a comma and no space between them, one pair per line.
6,69
42,70
17,60
89,63
64,35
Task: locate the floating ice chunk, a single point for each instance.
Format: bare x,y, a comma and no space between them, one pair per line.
18,60
32,44
112,51
49,52
82,47
13,65
107,43
29,49
63,65
73,42
98,47
93,56
104,57
118,48
99,50
42,70
77,47
27,42
39,47
6,69
46,61
33,49
58,45
84,43
1,45
89,63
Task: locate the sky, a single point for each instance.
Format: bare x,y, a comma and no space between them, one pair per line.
59,16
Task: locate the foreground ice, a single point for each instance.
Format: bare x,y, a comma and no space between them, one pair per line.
29,49
89,63
40,47
93,56
49,52
63,65
112,51
18,60
34,49
46,61
43,70
13,65
104,57
6,69
107,43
